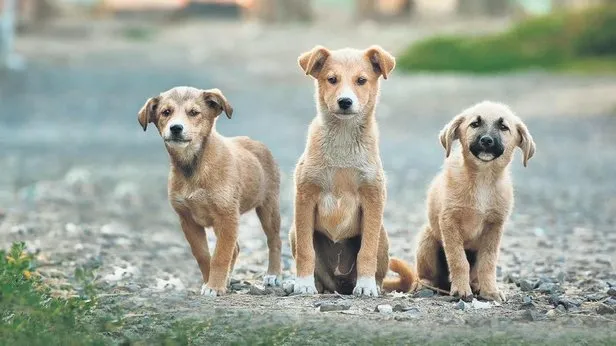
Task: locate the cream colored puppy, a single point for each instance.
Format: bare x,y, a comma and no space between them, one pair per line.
337,238
470,201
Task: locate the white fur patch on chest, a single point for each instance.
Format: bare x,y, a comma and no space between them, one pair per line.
484,195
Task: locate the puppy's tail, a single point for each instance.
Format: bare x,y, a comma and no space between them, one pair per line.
406,280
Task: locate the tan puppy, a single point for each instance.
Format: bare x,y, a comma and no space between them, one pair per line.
470,201
214,179
337,237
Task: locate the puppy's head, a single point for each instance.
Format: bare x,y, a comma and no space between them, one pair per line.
489,132
184,116
347,80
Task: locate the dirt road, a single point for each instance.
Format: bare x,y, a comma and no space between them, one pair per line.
83,185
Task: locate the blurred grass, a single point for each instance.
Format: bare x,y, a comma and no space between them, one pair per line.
582,41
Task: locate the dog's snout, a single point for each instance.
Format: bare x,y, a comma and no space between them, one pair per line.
176,129
345,103
486,141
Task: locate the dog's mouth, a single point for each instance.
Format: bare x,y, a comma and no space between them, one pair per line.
344,114
174,140
486,154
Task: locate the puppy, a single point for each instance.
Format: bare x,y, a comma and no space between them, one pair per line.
213,180
337,238
470,201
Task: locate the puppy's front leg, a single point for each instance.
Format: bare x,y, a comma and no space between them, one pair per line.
372,204
459,268
487,257
226,229
195,235
305,204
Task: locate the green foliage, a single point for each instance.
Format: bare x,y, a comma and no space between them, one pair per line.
30,315
560,41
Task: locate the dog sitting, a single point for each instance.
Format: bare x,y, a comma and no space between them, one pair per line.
337,238
470,201
213,180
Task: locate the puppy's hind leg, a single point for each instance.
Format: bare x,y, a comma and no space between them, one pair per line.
429,268
269,215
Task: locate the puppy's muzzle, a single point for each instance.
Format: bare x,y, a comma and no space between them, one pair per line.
487,148
176,134
345,103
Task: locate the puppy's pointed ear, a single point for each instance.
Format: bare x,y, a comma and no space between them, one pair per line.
216,100
312,61
527,144
147,114
450,133
382,62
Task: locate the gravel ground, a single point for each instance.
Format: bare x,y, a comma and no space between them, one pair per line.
83,185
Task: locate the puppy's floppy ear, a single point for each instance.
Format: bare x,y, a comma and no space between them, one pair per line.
382,62
312,61
527,144
147,114
450,133
215,99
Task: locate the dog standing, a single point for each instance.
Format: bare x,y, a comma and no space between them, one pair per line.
213,180
337,238
470,201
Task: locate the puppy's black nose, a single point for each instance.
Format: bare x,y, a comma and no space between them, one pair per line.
176,129
486,141
345,103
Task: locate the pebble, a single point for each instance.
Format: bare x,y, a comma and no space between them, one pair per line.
423,293
331,306
527,285
533,315
568,303
411,314
403,308
610,301
384,309
561,308
595,297
611,292
462,305
604,309
547,287
552,312
256,291
527,302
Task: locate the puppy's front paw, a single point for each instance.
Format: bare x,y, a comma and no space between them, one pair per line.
208,291
304,285
271,280
461,290
496,296
366,287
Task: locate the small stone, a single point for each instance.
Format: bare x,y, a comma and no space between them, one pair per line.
527,285
611,292
533,315
567,302
402,308
384,309
256,291
547,287
476,304
604,309
610,301
423,293
462,305
595,297
234,281
527,302
331,306
511,278
561,308
552,312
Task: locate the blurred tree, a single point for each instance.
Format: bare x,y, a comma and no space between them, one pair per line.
271,11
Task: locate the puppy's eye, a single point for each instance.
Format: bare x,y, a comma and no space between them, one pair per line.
332,80
166,112
475,124
193,112
361,81
503,127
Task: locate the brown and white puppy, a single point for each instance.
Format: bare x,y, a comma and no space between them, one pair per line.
213,180
470,201
337,238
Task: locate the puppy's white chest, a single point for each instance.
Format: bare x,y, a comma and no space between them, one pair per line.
483,198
